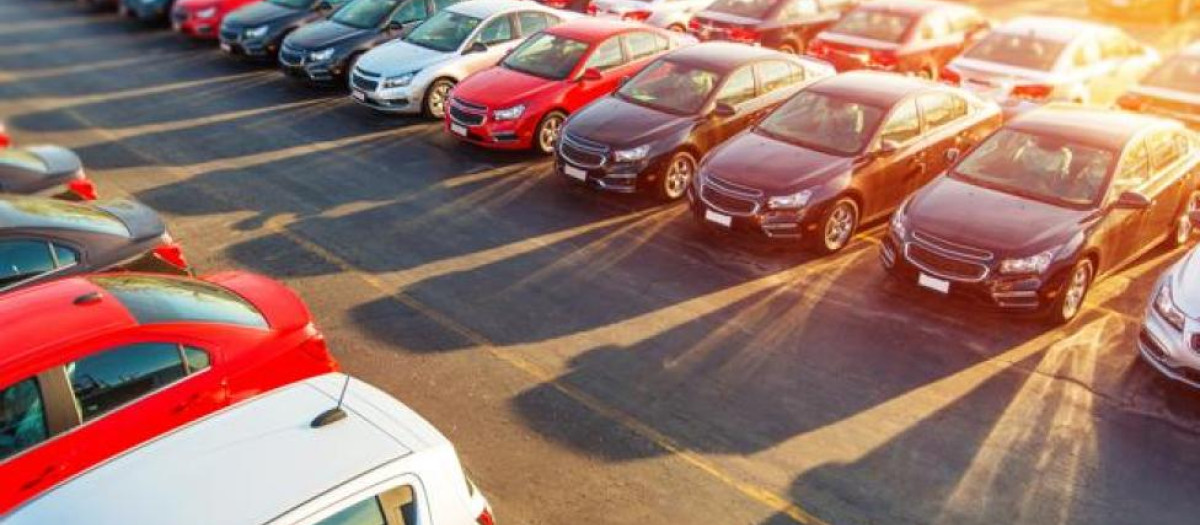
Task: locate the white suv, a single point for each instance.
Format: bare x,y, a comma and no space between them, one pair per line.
286,457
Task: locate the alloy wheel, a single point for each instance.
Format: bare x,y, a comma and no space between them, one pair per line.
435,101
1076,290
548,133
839,226
678,176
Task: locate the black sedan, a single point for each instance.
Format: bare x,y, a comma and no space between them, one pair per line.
43,238
43,170
150,11
257,30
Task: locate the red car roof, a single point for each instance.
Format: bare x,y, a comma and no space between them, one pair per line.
24,314
592,30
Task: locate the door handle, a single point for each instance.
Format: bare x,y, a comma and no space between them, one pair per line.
49,470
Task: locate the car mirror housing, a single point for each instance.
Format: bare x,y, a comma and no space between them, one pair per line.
724,110
1132,200
477,47
888,147
591,74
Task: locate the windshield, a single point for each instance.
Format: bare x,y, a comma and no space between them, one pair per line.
824,123
1018,50
53,213
746,8
22,159
153,299
294,4
445,31
1181,73
365,13
875,25
546,56
1049,169
671,87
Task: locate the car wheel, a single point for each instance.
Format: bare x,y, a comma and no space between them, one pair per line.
1183,224
436,98
548,130
1073,293
790,48
838,224
676,176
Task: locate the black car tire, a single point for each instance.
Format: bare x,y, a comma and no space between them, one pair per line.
545,137
1073,293
436,98
838,223
1182,231
676,176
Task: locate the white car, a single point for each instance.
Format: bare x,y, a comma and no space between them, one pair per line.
416,73
288,457
1033,60
1170,337
667,14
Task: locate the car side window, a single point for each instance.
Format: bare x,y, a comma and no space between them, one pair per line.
22,418
439,5
411,11
940,109
934,27
607,55
964,23
793,9
738,88
775,74
902,125
22,259
107,380
1162,149
642,44
533,21
1135,169
64,256
397,506
497,31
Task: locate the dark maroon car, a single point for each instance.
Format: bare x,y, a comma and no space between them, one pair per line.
1053,200
842,151
904,36
786,25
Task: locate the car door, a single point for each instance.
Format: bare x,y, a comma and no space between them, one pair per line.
739,92
33,418
944,115
1120,229
898,163
1167,186
500,34
606,58
403,501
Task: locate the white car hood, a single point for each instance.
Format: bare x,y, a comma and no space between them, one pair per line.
1185,284
399,57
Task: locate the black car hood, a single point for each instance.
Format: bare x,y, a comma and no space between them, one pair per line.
260,13
61,165
143,222
617,123
776,167
324,34
976,216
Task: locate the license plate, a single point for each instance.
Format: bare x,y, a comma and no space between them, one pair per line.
575,173
933,283
359,96
718,218
226,47
458,130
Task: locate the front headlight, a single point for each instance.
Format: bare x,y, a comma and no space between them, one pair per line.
512,113
1164,304
631,155
321,56
399,81
790,202
257,32
206,13
1034,264
900,224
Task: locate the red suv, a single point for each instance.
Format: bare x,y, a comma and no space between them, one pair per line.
202,18
131,356
522,102
904,36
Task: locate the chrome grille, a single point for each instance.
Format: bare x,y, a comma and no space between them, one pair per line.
581,152
953,249
940,265
466,113
729,197
364,83
289,56
231,34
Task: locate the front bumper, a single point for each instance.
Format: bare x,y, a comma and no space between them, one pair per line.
776,225
233,42
475,125
1167,350
319,72
152,11
365,90
186,23
614,177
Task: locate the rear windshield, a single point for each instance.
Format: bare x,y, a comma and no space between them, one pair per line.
152,299
1022,51
1180,73
22,159
757,9
33,212
875,25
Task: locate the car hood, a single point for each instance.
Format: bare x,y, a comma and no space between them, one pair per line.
951,209
617,123
500,87
761,162
259,13
143,222
398,57
324,34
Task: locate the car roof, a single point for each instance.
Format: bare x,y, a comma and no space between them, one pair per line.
27,313
1106,128
590,29
914,7
722,57
874,88
1059,29
486,8
249,463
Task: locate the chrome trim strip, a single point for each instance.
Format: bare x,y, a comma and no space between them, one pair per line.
937,273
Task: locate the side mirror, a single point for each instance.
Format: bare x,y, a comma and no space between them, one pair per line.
953,154
591,74
887,147
1132,200
395,26
724,110
477,47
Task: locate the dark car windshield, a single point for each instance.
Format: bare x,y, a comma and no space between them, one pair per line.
824,123
547,56
875,25
1022,51
153,299
54,213
1181,73
365,13
444,31
22,159
294,4
672,87
1045,168
746,8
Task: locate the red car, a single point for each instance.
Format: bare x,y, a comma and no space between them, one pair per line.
4,140
903,36
95,365
202,18
522,102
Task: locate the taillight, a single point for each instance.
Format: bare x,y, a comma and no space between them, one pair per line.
172,254
1131,102
592,10
4,143
636,16
1033,91
83,188
950,76
818,48
694,25
485,518
316,348
884,58
742,34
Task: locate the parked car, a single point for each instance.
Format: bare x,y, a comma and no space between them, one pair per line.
416,73
786,25
1172,10
1167,339
43,239
326,51
651,133
5,140
41,170
1052,201
377,462
673,15
256,31
523,102
130,357
843,151
1033,60
202,18
148,11
1171,90
905,36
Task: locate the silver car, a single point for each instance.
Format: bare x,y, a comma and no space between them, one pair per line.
1170,336
416,73
667,14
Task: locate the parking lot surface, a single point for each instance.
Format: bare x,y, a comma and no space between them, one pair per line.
598,358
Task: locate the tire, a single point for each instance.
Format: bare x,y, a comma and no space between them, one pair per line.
351,63
1073,293
837,226
436,97
1182,231
545,137
676,176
